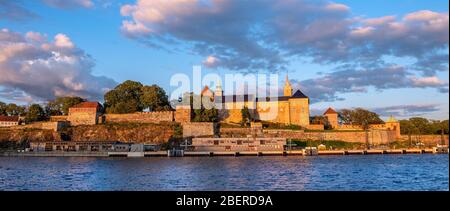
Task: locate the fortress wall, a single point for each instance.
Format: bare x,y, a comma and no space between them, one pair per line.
376,137
83,116
196,129
426,139
141,117
315,127
235,132
55,126
58,118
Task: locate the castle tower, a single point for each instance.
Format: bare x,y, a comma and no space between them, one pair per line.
332,117
287,87
393,124
219,90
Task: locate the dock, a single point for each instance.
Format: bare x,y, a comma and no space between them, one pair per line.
182,153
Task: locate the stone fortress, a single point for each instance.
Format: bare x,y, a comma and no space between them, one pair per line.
290,109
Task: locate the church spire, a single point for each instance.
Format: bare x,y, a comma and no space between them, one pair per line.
287,87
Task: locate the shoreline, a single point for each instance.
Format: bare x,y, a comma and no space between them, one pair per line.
181,153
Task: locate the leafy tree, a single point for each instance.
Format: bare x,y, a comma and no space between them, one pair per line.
206,115
421,124
246,116
61,105
35,113
444,126
360,116
154,98
3,108
406,127
323,120
124,98
15,110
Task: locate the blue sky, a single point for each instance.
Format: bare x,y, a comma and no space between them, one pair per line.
391,81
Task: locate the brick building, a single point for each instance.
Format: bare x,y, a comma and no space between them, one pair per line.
85,113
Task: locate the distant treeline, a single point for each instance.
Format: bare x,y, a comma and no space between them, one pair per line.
127,97
131,96
423,126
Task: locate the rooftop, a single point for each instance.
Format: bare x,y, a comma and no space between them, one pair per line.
330,111
87,105
9,118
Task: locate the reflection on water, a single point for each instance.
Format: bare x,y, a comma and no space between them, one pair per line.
370,172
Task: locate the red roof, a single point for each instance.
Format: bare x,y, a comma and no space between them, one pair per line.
330,111
87,105
9,118
205,89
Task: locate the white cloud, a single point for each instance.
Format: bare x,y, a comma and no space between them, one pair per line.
62,41
379,21
337,7
427,81
42,69
211,61
265,34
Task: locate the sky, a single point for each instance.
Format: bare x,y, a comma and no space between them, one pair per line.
390,57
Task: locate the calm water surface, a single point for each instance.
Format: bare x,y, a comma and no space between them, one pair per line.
370,172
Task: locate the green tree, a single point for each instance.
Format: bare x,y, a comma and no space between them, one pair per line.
154,98
444,126
206,115
61,105
124,98
322,120
35,113
406,127
360,116
421,124
3,108
246,116
15,110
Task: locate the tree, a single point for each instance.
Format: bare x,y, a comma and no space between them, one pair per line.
61,105
35,113
206,115
406,127
322,120
246,116
15,110
3,108
154,98
421,124
444,126
124,98
360,116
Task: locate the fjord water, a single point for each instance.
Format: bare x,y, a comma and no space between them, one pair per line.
369,172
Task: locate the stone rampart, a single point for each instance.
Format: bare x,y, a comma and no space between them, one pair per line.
199,129
141,117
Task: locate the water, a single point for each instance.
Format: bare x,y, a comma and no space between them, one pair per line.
369,172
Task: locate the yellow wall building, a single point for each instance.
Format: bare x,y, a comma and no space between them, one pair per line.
287,109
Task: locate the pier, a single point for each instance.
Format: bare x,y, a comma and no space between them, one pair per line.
182,153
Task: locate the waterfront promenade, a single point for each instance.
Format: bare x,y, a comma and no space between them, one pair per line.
182,153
